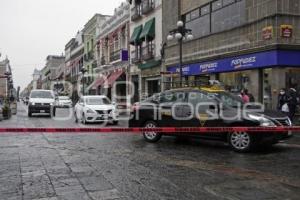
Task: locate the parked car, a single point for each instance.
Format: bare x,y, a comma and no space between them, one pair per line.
96,109
42,101
223,106
64,102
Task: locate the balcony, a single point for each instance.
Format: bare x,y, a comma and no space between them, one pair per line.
119,55
115,56
135,57
147,6
136,13
103,60
148,52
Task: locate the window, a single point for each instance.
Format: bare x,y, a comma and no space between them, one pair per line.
201,102
200,26
195,14
229,17
205,10
188,17
216,5
172,97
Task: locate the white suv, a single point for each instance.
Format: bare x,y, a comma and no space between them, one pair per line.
41,101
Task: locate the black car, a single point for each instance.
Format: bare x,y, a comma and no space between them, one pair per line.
208,107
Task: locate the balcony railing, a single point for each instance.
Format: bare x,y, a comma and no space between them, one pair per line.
135,57
115,56
136,13
147,6
148,52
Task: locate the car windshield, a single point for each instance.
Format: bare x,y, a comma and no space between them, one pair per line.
63,98
228,99
97,101
41,94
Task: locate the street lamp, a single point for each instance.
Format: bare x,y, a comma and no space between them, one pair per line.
181,34
82,72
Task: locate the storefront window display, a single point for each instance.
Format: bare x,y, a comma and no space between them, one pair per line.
235,81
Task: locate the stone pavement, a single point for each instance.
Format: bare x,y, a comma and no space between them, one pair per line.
117,166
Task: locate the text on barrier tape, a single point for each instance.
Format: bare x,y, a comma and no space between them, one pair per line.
161,130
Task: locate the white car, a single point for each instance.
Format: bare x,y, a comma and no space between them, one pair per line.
96,109
41,101
64,102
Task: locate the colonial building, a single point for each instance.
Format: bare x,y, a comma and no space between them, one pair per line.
112,54
6,83
37,79
89,34
243,43
145,50
49,76
74,51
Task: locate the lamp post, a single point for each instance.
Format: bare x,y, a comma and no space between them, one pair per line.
83,71
180,34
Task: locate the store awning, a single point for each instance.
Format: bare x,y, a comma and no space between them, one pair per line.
96,83
135,37
149,30
112,78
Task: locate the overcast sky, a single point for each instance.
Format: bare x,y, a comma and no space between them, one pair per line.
32,29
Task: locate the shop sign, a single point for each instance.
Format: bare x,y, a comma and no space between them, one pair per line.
267,33
286,31
243,62
251,61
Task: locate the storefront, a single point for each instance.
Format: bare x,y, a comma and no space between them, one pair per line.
151,80
263,74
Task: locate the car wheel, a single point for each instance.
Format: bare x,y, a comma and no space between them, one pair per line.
241,141
151,136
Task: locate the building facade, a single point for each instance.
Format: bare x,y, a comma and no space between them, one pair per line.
49,76
37,79
243,43
6,84
112,55
74,51
89,33
145,47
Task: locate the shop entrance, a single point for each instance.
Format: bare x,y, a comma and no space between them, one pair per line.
153,87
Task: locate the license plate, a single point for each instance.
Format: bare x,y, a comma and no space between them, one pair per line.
42,111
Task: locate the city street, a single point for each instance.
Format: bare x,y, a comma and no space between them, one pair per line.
123,166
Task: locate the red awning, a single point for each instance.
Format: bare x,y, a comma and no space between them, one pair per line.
96,83
113,77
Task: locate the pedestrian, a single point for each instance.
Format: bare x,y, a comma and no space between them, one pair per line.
251,97
244,96
282,101
292,102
